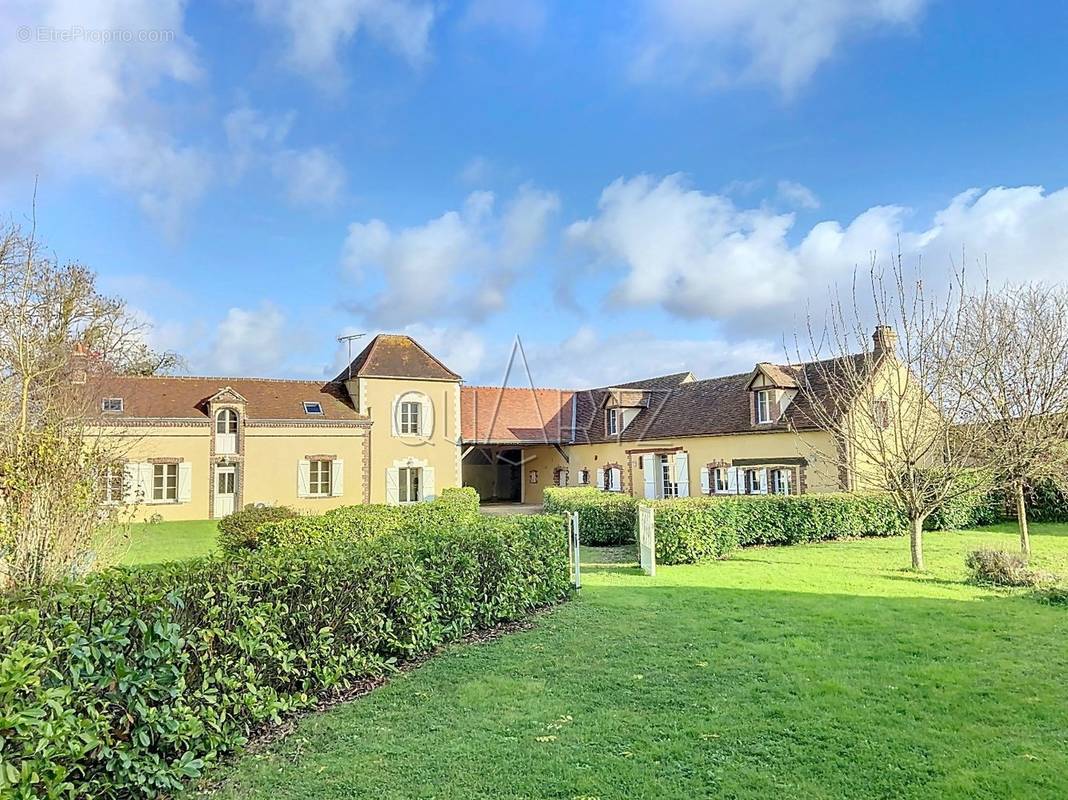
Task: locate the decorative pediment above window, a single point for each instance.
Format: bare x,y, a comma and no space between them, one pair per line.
226,395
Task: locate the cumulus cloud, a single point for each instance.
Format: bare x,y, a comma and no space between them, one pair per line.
86,105
460,264
250,341
797,195
782,42
317,31
698,255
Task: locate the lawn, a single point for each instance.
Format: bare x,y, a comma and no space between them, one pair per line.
150,543
811,671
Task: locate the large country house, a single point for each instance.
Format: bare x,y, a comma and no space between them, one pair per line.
397,426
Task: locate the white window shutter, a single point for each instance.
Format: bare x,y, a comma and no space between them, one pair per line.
429,489
617,479
394,417
303,478
682,473
763,481
732,480
706,481
392,486
600,478
337,478
131,479
649,474
426,424
185,482
145,474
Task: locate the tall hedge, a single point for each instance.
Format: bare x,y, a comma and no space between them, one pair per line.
693,529
136,680
453,508
604,517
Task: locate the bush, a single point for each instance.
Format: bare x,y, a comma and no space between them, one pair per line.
1001,568
453,508
693,529
604,517
129,683
1046,502
982,505
237,531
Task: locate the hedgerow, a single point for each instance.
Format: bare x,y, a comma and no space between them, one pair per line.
134,681
604,517
693,529
980,503
237,531
453,508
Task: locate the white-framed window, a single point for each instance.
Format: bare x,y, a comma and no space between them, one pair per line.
781,480
410,482
410,413
320,474
763,406
165,482
669,488
226,421
612,421
112,483
560,477
720,480
111,405
313,407
754,481
584,477
609,480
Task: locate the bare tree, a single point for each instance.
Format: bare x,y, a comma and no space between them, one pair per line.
59,482
1020,339
896,403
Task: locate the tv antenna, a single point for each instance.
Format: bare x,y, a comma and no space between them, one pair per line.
348,340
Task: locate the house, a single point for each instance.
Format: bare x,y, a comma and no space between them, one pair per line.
397,426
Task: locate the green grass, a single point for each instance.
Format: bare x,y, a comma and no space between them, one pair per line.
149,543
804,672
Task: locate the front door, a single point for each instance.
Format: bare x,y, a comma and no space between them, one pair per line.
225,490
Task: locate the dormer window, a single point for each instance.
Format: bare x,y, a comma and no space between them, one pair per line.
612,421
111,405
763,406
312,407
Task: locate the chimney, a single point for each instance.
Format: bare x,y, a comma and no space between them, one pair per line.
885,340
79,363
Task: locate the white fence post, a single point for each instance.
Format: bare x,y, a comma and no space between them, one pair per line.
647,539
576,553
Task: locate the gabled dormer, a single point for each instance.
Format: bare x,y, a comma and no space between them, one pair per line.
227,411
771,389
622,405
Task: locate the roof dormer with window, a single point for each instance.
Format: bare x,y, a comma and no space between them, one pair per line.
621,408
771,390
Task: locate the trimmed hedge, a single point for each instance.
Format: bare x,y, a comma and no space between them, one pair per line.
693,529
982,505
604,517
237,531
453,509
136,680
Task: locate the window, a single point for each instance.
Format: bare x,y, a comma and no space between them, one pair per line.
111,405
409,417
165,482
410,479
609,479
584,477
226,421
311,407
319,475
670,488
780,480
225,481
112,483
881,414
720,481
763,406
754,481
612,421
560,477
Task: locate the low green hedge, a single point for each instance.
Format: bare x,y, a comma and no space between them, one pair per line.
453,508
982,504
135,680
604,517
238,531
693,529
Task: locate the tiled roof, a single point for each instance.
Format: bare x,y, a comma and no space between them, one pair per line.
505,415
186,398
393,356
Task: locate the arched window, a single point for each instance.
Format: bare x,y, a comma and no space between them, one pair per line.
226,421
413,415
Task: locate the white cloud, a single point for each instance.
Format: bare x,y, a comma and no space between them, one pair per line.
782,42
250,342
311,176
522,18
797,195
460,264
86,105
698,255
317,31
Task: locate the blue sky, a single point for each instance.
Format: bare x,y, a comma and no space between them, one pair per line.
631,187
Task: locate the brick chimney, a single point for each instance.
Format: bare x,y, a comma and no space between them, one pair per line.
885,340
78,363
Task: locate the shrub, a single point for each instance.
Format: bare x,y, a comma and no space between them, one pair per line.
604,517
237,531
693,529
1001,568
1046,502
129,683
982,505
454,508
